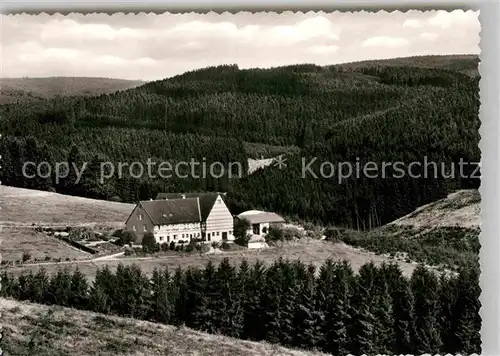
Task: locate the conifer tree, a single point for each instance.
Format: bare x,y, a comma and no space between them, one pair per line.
60,288
79,290
255,327
466,316
229,311
425,288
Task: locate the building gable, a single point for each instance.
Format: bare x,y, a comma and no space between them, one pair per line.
138,219
219,217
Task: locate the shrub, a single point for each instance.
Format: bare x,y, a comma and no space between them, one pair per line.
149,244
117,233
171,246
289,233
274,234
164,247
243,240
241,227
332,234
26,256
128,237
225,246
129,251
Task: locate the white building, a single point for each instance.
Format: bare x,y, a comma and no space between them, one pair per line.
183,217
260,221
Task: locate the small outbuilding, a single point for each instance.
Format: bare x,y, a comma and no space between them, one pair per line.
260,221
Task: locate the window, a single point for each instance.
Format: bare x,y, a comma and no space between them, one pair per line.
191,236
217,233
161,238
145,227
175,236
256,229
139,216
208,236
168,238
182,235
230,232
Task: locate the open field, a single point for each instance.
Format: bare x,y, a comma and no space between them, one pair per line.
25,207
13,243
461,208
15,89
33,329
315,252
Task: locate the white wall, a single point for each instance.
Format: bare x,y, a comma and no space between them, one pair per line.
257,244
218,221
175,232
261,229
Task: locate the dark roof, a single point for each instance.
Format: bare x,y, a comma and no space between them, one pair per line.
177,211
169,196
207,200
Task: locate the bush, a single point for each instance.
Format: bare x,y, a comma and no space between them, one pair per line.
289,233
117,233
149,244
241,227
127,238
26,256
164,247
129,251
225,246
274,234
332,234
242,241
171,246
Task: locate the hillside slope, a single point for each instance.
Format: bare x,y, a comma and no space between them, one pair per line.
25,207
34,329
24,89
460,209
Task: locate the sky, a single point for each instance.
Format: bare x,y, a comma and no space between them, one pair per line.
151,47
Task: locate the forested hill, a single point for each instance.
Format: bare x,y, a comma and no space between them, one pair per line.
367,112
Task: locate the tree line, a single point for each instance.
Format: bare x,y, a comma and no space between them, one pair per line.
375,311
